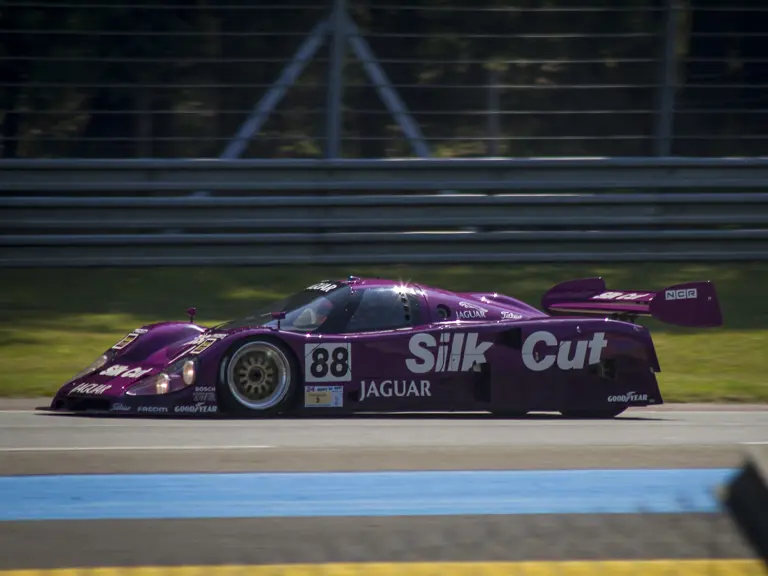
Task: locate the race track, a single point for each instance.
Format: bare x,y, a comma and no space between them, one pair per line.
670,437
41,443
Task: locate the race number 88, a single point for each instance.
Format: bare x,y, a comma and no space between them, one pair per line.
327,363
338,365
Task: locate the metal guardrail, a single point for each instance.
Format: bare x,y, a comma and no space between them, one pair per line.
376,175
67,217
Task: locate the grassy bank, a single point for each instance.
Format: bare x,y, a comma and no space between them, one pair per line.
54,322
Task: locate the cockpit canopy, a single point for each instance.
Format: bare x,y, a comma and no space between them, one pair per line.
331,307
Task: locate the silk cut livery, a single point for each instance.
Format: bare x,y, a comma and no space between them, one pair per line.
571,355
448,354
358,345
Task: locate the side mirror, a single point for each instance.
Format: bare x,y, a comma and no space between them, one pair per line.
278,316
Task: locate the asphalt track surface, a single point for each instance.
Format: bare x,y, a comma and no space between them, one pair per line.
670,437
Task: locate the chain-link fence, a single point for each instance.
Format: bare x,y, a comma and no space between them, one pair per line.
444,78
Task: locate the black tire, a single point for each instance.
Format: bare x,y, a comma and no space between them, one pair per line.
594,414
258,377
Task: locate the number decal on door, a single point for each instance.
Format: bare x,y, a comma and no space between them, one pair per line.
328,362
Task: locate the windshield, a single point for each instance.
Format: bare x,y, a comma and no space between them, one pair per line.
305,311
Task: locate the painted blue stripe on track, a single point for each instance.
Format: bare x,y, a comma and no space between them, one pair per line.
257,495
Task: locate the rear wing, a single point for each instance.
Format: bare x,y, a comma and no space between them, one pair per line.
692,304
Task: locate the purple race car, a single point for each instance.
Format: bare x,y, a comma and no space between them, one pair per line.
378,345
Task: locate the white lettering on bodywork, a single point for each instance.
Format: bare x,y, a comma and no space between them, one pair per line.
629,397
471,311
90,389
452,354
394,388
565,361
620,296
123,372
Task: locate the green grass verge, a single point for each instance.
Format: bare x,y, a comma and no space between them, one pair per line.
55,321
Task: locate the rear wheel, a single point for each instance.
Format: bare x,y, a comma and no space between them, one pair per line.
259,378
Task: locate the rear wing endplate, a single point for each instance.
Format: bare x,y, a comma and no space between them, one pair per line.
692,304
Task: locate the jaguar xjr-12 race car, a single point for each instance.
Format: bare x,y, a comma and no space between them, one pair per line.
375,345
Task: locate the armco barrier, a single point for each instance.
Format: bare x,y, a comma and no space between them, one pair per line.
68,213
382,175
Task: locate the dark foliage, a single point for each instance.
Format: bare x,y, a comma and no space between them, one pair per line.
144,78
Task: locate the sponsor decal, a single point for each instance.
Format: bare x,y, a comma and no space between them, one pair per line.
620,296
123,372
129,338
328,362
204,394
471,311
196,409
456,352
510,315
395,388
682,294
566,360
115,370
136,373
152,409
203,337
205,341
323,396
90,389
119,408
323,286
629,397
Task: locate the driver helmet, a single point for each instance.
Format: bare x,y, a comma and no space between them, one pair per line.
314,314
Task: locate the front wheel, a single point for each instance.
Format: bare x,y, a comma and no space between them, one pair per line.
259,378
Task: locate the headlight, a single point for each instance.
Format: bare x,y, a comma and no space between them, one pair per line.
157,384
161,383
189,372
95,365
179,374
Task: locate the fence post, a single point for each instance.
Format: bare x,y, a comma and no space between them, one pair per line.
493,113
666,111
334,118
288,76
386,91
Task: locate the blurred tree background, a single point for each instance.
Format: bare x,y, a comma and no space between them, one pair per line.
165,78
